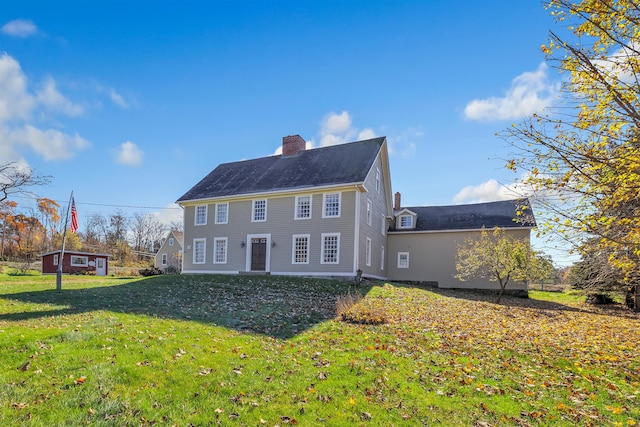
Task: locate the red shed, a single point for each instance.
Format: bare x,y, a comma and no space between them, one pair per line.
76,263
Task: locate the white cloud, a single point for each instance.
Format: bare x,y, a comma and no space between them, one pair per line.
489,191
530,92
338,128
50,144
129,154
20,28
336,123
19,106
15,101
118,99
404,144
171,214
49,97
366,134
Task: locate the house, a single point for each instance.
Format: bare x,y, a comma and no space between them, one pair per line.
327,212
320,212
169,255
76,263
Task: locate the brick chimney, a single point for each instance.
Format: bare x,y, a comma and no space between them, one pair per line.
293,144
396,201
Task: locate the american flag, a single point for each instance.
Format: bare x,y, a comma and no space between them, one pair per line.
74,217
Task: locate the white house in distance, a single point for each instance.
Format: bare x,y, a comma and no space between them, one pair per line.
169,255
328,212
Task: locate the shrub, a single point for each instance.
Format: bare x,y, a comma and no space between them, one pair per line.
345,302
146,272
353,309
172,270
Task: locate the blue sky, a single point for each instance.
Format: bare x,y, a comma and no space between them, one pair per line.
129,104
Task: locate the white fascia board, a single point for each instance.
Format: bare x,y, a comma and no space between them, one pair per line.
279,193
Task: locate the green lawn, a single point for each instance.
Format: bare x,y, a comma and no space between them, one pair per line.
260,350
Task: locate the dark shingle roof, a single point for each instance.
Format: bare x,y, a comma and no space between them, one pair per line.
474,216
334,165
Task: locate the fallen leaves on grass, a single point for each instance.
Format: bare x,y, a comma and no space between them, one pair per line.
588,356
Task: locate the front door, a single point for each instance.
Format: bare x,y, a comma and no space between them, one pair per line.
258,254
101,267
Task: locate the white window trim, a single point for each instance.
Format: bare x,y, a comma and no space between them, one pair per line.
170,241
400,254
226,221
215,249
369,211
377,180
253,210
405,216
164,259
324,205
295,213
382,258
293,248
383,225
55,259
367,252
75,264
204,250
323,236
195,216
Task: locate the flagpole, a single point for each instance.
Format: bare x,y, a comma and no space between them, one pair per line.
64,238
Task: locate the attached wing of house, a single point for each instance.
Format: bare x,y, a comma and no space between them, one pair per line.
321,211
424,241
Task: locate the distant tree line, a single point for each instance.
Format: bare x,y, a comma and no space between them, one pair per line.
27,233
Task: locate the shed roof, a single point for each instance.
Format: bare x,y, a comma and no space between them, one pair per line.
325,166
66,252
501,214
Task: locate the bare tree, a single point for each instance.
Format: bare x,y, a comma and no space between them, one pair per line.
118,227
146,231
13,179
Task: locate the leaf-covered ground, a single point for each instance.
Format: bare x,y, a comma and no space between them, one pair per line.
555,362
270,351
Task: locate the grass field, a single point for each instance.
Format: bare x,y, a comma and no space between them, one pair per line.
259,350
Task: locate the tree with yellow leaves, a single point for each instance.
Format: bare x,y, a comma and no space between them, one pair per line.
584,154
499,257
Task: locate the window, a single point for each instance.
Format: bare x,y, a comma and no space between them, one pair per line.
55,259
79,261
303,207
300,253
403,259
378,180
199,249
259,211
222,213
170,241
382,258
331,204
369,213
220,250
201,215
368,252
406,221
383,227
164,259
330,248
